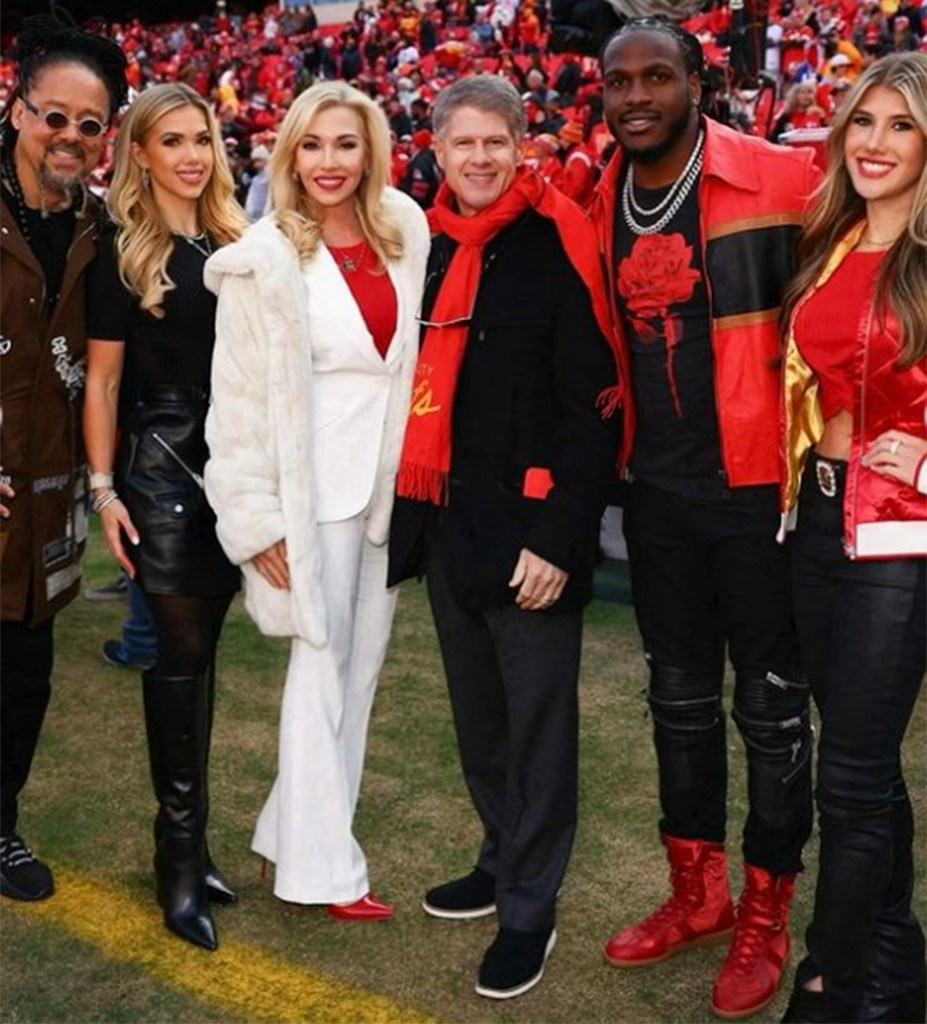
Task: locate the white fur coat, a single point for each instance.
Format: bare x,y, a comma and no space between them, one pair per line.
264,471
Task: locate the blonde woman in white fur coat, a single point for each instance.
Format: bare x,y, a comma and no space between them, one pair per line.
316,341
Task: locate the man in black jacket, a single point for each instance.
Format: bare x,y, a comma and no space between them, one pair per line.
507,455
421,177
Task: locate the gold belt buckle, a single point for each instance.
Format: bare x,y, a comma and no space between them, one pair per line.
826,477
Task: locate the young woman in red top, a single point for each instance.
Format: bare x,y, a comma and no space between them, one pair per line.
855,447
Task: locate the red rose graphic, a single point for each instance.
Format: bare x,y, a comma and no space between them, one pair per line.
656,275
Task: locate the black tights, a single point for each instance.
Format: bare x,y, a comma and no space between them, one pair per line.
188,631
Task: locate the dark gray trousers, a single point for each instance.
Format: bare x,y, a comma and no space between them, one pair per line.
512,677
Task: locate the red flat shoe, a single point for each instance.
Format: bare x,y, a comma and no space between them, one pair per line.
367,908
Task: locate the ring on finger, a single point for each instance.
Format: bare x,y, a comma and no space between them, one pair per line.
895,445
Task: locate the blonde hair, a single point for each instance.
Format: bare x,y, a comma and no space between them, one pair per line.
837,206
143,240
295,212
791,97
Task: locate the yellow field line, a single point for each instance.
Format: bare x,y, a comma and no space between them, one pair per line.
237,977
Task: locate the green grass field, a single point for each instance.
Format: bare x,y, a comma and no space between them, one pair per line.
88,807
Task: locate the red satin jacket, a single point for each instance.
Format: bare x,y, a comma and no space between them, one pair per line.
882,518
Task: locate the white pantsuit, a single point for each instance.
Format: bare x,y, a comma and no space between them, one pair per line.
305,826
305,432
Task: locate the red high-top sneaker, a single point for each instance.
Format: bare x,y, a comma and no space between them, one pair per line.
699,913
750,975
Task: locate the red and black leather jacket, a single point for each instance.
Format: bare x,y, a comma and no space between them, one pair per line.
752,198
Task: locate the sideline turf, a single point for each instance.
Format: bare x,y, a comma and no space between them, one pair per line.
88,808
239,979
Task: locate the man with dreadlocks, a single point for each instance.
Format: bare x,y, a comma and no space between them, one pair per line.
699,226
71,83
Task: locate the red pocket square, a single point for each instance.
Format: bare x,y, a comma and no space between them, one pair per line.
538,482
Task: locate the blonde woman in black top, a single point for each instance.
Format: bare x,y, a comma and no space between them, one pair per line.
151,336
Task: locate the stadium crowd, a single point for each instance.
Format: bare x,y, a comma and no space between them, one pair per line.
251,67
353,391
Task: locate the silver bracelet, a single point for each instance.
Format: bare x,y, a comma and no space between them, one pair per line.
101,481
102,500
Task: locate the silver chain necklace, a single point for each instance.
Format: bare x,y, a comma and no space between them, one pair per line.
676,196
693,156
195,240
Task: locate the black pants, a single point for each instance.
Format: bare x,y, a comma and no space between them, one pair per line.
25,689
512,677
862,630
708,577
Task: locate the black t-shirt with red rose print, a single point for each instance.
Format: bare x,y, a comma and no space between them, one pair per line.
664,306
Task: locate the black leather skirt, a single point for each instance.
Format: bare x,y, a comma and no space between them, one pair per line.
160,480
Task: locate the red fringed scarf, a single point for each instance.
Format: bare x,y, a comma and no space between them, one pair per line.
426,452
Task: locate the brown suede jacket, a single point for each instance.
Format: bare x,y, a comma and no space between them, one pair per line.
42,372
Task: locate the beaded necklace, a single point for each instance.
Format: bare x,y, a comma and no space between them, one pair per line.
11,180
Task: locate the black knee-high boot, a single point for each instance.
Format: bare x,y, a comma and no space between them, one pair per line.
218,888
217,885
176,723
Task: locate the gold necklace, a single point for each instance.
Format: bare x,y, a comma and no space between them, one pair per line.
344,258
868,240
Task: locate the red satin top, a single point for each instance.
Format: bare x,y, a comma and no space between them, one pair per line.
827,326
372,290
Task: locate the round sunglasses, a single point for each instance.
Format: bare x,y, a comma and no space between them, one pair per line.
57,121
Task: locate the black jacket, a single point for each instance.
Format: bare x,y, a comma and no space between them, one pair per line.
526,395
421,178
